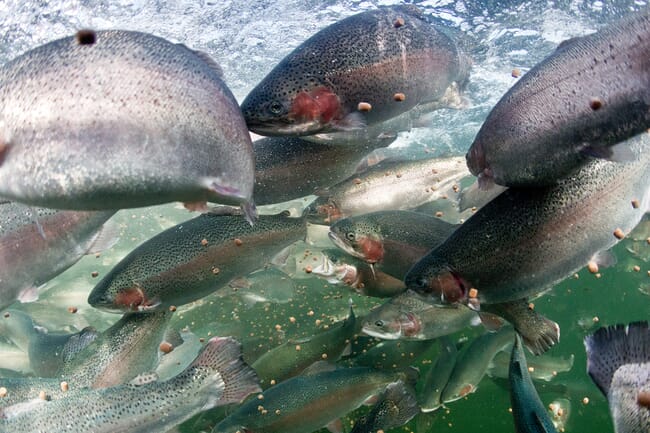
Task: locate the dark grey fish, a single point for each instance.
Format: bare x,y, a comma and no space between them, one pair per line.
590,94
389,59
122,119
395,407
193,259
37,244
529,413
526,240
618,361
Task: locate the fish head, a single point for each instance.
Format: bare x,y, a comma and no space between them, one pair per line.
390,323
291,106
433,277
124,299
359,238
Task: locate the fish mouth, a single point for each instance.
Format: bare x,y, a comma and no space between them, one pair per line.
277,129
342,244
368,329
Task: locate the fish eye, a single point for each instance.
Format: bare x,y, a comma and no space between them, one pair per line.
350,236
379,323
422,283
275,107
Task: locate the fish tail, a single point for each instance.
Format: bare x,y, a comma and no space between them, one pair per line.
223,354
610,347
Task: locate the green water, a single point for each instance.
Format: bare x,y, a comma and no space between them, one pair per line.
308,305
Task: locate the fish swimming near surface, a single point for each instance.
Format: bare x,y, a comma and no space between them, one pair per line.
394,408
618,361
530,415
392,185
124,119
37,244
218,376
362,70
193,259
526,240
590,94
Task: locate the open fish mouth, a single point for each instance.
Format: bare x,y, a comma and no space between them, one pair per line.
272,129
342,244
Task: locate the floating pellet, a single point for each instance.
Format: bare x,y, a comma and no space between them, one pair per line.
3,392
531,306
204,242
595,103
593,267
618,233
308,269
399,22
172,308
64,386
473,293
636,268
635,204
364,106
42,395
238,242
399,97
298,348
94,274
439,214
216,270
72,309
516,73
585,400
166,347
643,399
292,319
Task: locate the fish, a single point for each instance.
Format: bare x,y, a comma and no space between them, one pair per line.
618,362
217,376
544,367
392,185
357,72
286,361
126,119
435,379
590,94
128,348
526,240
390,354
395,407
528,412
473,362
410,316
305,403
287,168
193,259
336,267
392,240
37,244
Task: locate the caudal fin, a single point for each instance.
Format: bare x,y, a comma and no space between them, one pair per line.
610,347
223,354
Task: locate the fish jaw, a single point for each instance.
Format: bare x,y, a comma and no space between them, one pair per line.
444,285
344,245
127,300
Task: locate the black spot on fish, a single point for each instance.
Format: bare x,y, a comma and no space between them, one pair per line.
86,37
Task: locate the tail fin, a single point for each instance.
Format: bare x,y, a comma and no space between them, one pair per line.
609,348
223,354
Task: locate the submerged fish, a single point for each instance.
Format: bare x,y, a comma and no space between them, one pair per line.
473,362
124,119
306,403
218,376
411,316
37,244
526,240
359,71
286,361
544,367
287,168
393,185
529,413
193,259
125,350
340,268
590,94
395,407
436,378
618,361
394,240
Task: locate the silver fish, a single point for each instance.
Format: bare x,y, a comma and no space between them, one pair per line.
124,119
37,244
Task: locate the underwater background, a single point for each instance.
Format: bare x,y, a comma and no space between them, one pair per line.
248,38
